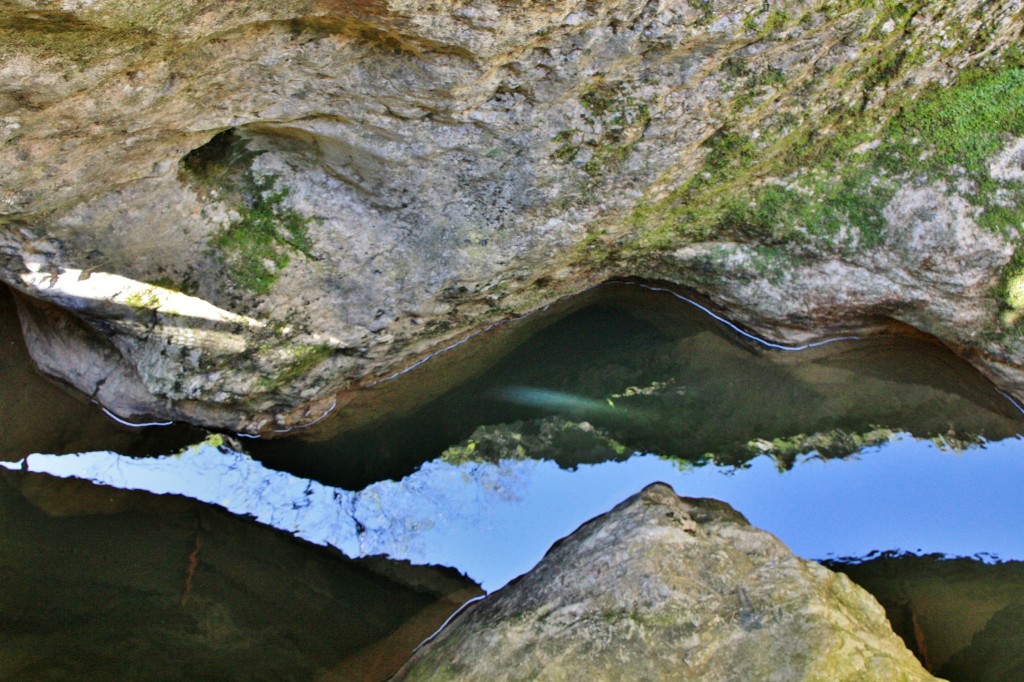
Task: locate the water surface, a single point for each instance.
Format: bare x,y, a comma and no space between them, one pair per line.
660,376
495,520
484,456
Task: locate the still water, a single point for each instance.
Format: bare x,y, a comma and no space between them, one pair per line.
495,520
658,375
484,456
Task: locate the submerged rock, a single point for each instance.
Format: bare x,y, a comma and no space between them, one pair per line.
101,583
962,617
664,587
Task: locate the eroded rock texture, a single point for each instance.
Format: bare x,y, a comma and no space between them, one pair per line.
669,588
247,207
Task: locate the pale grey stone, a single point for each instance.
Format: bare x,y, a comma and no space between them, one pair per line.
670,588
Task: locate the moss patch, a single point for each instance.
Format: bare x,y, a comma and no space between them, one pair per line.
830,183
143,298
304,359
959,129
1010,294
261,242
612,123
63,37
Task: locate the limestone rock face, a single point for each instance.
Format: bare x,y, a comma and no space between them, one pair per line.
664,587
933,271
254,205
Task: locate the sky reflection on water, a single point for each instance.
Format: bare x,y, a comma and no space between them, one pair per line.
494,521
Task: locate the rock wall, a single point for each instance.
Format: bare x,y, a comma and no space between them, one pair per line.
249,207
663,588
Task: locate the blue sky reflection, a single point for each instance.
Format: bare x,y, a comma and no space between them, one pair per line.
495,521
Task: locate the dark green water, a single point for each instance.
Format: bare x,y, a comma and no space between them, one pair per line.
963,619
680,384
105,584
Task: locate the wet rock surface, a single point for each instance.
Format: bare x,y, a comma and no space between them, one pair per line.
102,583
251,207
664,587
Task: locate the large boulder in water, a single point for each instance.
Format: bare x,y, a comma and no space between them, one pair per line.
664,587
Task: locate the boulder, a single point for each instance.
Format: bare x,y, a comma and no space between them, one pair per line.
239,211
665,587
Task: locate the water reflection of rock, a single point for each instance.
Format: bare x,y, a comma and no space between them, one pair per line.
656,375
491,510
552,438
424,518
963,618
100,583
572,443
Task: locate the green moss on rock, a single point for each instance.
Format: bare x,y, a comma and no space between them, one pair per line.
261,242
613,122
831,183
